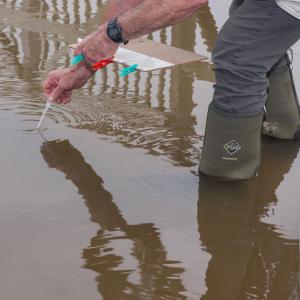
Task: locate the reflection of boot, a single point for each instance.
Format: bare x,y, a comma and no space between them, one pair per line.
232,144
248,256
282,117
224,218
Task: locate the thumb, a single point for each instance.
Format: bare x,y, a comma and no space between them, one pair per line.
56,94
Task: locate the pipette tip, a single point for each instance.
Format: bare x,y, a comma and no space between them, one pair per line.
48,105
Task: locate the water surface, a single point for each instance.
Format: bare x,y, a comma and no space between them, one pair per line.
106,203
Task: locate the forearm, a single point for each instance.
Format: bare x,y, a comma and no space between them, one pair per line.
151,15
145,17
141,17
117,7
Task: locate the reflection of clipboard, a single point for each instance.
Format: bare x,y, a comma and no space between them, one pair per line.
150,55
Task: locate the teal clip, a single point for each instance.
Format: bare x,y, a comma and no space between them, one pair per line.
128,70
77,59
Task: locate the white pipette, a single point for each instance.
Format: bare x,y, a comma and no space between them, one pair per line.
48,105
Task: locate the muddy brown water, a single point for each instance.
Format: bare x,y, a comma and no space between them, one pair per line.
106,203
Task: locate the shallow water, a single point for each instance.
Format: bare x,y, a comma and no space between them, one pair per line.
106,202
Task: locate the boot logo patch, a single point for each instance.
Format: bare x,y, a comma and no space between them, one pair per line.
232,147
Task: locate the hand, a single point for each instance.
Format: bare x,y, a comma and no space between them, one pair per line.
60,83
97,46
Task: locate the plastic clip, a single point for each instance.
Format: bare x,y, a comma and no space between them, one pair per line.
128,70
77,59
102,63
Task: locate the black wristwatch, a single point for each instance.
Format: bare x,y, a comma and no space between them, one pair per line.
114,32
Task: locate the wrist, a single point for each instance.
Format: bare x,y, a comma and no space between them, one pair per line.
108,43
106,49
84,68
96,46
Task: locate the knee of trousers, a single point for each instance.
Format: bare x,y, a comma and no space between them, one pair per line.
231,57
241,84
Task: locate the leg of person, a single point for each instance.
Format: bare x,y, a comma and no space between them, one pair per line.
250,43
282,117
235,5
282,107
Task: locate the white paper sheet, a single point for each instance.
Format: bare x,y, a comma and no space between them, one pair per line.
144,62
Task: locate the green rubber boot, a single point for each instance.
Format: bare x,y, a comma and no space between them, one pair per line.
231,145
282,107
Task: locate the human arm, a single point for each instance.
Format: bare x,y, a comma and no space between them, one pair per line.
146,17
115,8
60,83
143,17
151,15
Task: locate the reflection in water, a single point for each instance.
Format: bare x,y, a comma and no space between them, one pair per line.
208,26
159,277
155,111
249,259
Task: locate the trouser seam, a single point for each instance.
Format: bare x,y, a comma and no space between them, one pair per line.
254,33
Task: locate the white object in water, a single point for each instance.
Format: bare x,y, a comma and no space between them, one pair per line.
48,105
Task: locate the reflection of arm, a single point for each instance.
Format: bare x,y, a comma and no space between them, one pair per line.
62,156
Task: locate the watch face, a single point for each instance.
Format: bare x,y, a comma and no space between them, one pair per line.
114,31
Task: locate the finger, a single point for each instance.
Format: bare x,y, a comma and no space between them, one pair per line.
48,91
46,84
56,94
49,83
66,97
66,100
